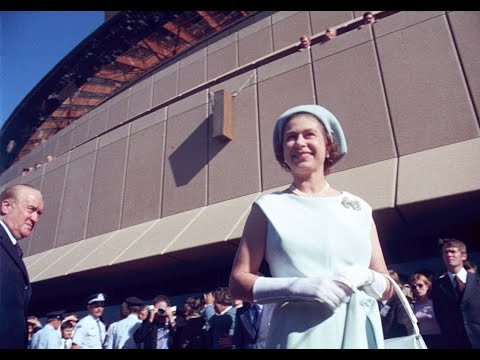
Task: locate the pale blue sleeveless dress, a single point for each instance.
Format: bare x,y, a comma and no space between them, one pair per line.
309,237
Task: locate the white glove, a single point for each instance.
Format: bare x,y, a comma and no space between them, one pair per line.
373,283
323,289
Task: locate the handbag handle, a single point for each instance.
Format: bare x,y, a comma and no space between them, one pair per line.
405,303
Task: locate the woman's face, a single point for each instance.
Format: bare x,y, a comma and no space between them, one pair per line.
304,144
420,288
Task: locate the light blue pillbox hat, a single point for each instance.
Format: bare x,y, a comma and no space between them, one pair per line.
326,117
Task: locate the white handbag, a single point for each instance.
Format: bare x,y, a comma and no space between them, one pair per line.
413,341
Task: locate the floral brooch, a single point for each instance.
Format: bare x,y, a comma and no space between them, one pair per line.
354,204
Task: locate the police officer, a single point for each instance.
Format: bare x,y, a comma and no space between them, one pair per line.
90,331
49,336
121,336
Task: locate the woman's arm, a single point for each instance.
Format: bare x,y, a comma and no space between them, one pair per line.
249,255
377,261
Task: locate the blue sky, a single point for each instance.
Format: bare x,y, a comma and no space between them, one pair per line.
32,43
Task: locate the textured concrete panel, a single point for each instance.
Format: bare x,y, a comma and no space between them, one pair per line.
38,266
403,20
234,166
80,132
426,91
214,224
466,27
158,237
144,176
283,65
237,231
277,95
84,249
76,200
220,41
438,172
32,259
193,55
113,136
49,261
148,120
222,61
288,31
105,207
282,15
255,46
171,69
70,255
98,123
364,117
258,22
64,142
375,183
323,19
192,75
141,98
112,247
45,230
185,187
118,110
50,146
165,89
82,150
187,104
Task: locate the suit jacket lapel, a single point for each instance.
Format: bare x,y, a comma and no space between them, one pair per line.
10,249
448,287
246,320
471,283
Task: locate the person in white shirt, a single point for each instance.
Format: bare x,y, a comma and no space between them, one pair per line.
67,332
121,336
90,331
49,337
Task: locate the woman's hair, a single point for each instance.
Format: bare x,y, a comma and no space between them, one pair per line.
468,265
193,305
331,147
425,279
394,275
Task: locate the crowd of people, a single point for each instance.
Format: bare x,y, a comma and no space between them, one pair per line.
214,321
219,321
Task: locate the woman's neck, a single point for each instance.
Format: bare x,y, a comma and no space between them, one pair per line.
313,183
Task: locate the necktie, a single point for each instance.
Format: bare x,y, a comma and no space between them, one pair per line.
65,345
100,333
255,316
19,250
460,286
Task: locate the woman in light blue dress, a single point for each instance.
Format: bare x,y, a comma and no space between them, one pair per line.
321,245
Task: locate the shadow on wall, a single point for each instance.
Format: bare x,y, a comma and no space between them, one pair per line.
189,158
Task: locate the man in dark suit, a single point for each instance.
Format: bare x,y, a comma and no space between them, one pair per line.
21,207
251,326
456,299
395,320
